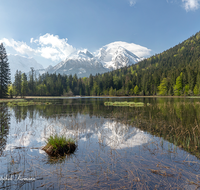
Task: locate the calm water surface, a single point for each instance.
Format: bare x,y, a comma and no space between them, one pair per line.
150,147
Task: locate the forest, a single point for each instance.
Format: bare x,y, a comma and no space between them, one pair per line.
174,72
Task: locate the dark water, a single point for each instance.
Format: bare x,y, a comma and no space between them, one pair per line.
150,147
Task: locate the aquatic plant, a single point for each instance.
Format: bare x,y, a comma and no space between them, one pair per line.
130,104
59,145
11,100
25,103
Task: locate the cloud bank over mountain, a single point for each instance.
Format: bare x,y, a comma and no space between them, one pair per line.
54,49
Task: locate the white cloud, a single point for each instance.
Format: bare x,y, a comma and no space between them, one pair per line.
31,40
48,46
132,2
138,50
51,47
191,5
49,53
19,47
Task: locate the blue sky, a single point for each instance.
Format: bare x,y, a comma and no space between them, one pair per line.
52,29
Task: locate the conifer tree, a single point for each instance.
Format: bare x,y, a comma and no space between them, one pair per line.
18,83
4,72
24,87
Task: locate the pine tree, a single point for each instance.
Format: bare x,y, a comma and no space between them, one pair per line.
4,72
18,83
24,85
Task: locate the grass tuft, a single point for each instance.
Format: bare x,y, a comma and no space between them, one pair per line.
59,145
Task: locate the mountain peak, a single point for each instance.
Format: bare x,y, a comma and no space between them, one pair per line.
117,54
80,54
85,52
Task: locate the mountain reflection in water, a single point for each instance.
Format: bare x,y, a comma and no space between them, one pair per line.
82,127
112,153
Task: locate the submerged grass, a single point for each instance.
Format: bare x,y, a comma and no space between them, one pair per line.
59,145
25,103
130,104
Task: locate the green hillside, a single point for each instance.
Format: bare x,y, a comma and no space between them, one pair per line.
173,72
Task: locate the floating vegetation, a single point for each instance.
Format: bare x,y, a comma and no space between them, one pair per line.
26,103
130,104
11,100
59,145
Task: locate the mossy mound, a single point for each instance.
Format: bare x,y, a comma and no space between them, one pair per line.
130,104
59,146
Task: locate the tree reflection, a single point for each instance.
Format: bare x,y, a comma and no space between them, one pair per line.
175,120
4,126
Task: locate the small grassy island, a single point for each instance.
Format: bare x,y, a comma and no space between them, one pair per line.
59,146
130,104
26,103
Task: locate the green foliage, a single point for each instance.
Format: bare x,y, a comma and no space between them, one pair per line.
4,72
24,85
10,91
59,145
198,36
182,48
136,90
163,87
196,90
59,141
178,87
187,88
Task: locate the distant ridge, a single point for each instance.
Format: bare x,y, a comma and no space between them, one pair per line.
23,64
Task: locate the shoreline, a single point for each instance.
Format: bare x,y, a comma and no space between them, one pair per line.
68,97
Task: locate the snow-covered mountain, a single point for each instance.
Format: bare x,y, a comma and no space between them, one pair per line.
82,62
109,57
116,55
23,64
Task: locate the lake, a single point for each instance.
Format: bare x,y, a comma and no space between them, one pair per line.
150,147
